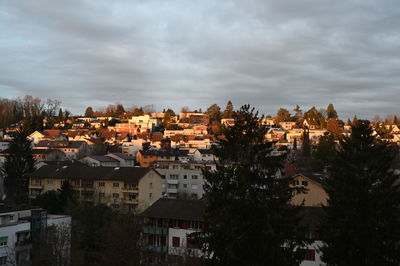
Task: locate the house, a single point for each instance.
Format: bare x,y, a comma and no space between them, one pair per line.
148,157
166,227
123,158
96,160
199,119
145,122
47,134
41,155
203,155
229,122
183,179
72,149
22,228
287,125
310,124
168,223
121,188
132,129
314,193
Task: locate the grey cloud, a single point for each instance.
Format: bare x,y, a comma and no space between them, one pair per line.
270,54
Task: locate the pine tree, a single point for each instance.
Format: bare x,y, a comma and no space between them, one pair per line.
362,224
60,116
214,112
250,220
228,112
395,120
89,111
18,164
331,112
305,145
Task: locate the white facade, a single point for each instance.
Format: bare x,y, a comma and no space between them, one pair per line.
183,249
144,121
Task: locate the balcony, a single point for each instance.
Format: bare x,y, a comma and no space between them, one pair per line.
159,249
172,181
155,230
37,186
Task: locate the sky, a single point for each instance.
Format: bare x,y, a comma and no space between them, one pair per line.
171,54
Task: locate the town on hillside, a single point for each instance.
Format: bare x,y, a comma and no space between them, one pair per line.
158,168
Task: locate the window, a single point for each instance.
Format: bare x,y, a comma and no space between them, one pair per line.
173,186
195,176
116,185
115,206
304,183
3,241
3,260
175,177
194,186
175,166
101,195
309,255
184,176
77,182
184,185
50,182
115,195
37,182
150,195
102,184
151,185
194,196
132,197
175,242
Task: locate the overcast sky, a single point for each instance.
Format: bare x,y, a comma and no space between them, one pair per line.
170,53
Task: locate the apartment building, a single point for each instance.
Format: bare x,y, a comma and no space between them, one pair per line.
128,189
146,158
167,225
20,227
183,179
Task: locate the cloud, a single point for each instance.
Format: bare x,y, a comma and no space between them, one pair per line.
270,54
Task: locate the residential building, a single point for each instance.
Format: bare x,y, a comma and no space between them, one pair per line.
122,188
145,122
21,229
148,157
72,149
314,193
167,225
183,179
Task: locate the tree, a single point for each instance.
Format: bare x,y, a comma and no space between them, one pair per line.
89,111
395,121
282,115
120,110
313,114
324,154
18,164
228,112
298,113
305,145
168,114
362,221
333,127
331,112
295,144
247,204
60,117
214,112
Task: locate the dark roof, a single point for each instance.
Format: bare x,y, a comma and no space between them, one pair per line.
44,151
176,209
124,156
60,144
103,158
205,151
86,172
316,177
166,152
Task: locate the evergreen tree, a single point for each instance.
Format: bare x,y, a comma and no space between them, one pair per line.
362,222
89,111
248,212
214,112
295,144
395,120
305,145
228,112
331,112
298,113
325,152
282,115
119,110
60,116
18,164
313,114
